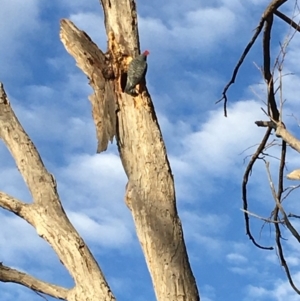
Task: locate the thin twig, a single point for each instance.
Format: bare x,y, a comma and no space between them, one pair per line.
278,204
267,220
293,215
281,171
272,7
238,65
282,259
8,274
272,107
244,187
289,192
287,20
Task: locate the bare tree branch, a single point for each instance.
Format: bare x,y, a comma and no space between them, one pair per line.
293,215
287,20
282,259
289,191
262,123
12,204
283,133
277,228
278,204
268,13
125,32
280,189
272,7
150,193
8,274
24,152
46,214
267,220
278,215
272,107
244,187
239,64
97,67
142,150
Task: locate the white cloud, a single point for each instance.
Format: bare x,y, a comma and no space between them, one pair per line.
94,185
59,115
71,132
243,271
205,232
78,5
215,148
25,241
208,224
19,22
204,146
11,291
107,231
95,175
11,180
16,19
236,258
195,29
208,293
279,291
257,292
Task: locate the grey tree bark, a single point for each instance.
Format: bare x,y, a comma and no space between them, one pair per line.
150,193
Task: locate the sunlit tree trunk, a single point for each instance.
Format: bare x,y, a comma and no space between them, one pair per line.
150,193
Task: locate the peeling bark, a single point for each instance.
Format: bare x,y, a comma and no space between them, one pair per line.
150,190
150,193
95,65
47,216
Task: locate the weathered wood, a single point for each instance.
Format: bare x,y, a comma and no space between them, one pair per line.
121,20
93,62
46,214
150,191
294,175
11,275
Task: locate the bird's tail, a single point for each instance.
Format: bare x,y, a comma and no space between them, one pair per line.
130,91
127,89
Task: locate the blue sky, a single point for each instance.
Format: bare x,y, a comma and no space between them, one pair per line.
193,49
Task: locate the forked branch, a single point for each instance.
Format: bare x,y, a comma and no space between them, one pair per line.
268,13
8,274
46,214
287,20
293,231
245,183
97,67
278,215
282,132
13,205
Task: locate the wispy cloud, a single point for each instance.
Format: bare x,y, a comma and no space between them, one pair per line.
191,44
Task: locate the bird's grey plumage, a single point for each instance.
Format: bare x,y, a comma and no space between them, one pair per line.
136,72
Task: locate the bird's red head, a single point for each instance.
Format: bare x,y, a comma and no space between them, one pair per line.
146,52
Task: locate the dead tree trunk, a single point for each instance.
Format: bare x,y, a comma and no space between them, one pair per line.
150,190
150,193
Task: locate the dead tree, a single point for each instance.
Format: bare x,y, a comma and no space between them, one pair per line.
278,217
150,193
